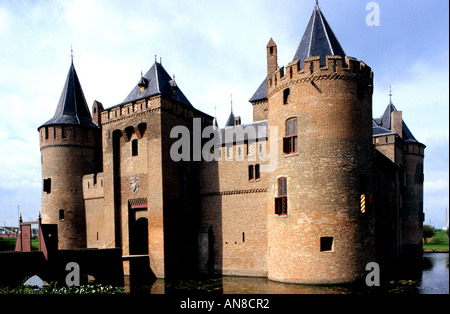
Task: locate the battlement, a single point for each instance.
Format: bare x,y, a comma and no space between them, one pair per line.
93,186
127,110
335,69
155,103
63,135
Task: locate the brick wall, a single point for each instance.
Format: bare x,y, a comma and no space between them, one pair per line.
333,108
68,153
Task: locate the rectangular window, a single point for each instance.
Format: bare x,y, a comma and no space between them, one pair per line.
134,147
47,185
61,214
250,172
257,172
281,200
282,187
326,244
290,142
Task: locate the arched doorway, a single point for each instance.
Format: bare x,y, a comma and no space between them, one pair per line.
138,230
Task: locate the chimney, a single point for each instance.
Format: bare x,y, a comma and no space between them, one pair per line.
272,59
397,122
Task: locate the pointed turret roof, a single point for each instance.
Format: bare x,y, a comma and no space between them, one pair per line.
231,118
72,107
318,40
157,82
385,123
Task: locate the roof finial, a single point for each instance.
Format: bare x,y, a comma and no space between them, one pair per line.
317,2
231,97
390,93
71,54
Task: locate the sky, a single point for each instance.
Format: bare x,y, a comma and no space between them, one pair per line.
215,49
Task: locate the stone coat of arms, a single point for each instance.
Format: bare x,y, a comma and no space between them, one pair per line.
134,184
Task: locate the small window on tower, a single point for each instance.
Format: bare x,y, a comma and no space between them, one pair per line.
251,172
134,147
47,186
281,200
290,142
257,172
326,244
61,214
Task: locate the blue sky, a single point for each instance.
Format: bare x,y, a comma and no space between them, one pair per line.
214,48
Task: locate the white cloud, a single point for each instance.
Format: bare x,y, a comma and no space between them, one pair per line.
439,186
4,22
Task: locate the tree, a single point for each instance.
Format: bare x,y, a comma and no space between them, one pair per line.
428,232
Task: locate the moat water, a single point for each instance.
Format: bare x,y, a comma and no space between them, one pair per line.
434,279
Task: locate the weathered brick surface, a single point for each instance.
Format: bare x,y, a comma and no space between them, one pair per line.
334,111
65,159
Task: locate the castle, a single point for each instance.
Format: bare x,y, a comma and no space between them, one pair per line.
313,190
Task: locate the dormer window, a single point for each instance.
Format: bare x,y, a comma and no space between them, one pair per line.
173,86
143,83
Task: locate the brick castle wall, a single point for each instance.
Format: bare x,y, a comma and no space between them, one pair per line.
68,153
333,108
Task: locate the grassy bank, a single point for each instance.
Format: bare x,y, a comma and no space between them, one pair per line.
10,244
439,242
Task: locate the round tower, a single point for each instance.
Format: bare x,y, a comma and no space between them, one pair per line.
68,145
320,224
412,212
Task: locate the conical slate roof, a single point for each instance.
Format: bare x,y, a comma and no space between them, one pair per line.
72,107
231,118
385,123
157,82
318,40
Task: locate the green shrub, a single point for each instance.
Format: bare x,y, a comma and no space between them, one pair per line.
428,232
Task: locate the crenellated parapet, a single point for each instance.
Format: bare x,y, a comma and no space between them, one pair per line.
144,106
335,69
67,135
127,110
93,186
